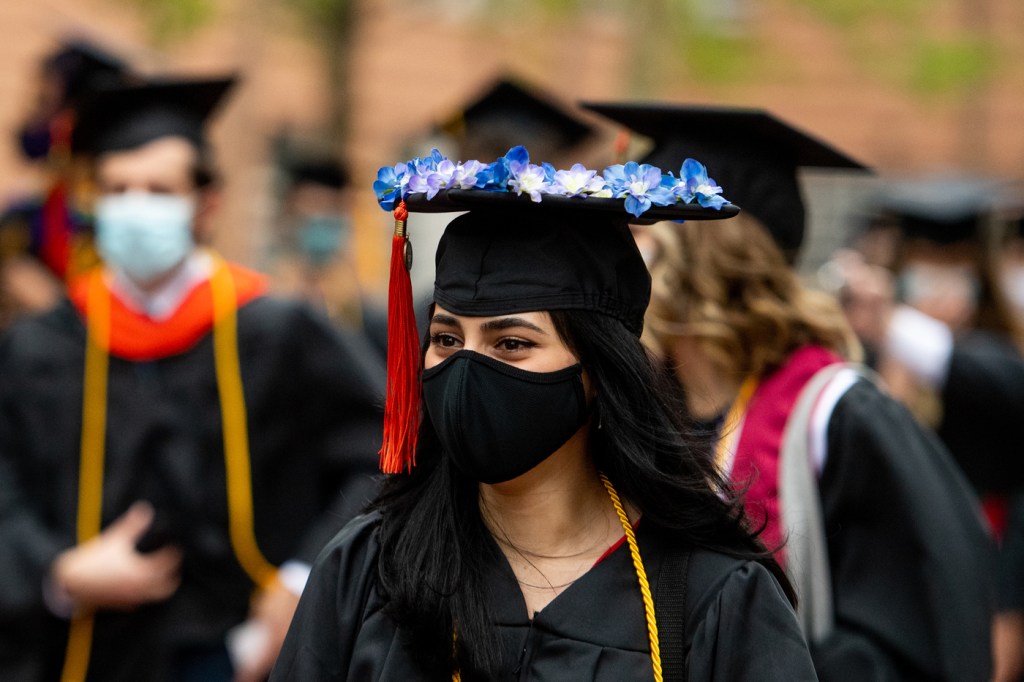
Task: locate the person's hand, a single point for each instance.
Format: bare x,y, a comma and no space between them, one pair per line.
271,615
867,293
1008,647
108,572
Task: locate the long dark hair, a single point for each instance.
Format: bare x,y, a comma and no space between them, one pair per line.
435,547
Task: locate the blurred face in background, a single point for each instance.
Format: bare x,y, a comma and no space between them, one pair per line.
150,212
941,280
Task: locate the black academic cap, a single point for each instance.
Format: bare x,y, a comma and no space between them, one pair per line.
508,254
325,171
84,67
116,119
509,113
941,210
748,151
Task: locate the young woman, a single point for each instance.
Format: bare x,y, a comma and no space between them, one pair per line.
558,522
902,589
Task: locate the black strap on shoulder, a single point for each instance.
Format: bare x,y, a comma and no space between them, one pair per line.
670,611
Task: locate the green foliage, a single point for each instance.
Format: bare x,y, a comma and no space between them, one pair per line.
892,40
327,15
851,13
171,19
942,67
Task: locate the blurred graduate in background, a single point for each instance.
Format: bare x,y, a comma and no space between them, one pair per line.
871,518
176,446
934,310
45,237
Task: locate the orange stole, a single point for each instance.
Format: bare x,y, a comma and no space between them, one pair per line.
135,337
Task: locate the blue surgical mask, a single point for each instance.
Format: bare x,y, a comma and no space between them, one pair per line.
145,235
321,236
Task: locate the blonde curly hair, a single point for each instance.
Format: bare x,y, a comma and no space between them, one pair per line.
728,285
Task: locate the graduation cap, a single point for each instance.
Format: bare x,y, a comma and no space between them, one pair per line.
120,118
749,151
510,113
939,210
83,67
325,171
517,251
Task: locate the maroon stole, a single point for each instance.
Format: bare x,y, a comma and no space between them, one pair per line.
755,466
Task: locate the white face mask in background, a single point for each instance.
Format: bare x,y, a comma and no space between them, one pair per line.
948,293
145,235
921,282
1013,283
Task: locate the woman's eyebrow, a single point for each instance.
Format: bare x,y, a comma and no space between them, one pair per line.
446,320
510,323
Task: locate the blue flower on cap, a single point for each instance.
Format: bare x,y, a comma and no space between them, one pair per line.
640,184
697,185
390,184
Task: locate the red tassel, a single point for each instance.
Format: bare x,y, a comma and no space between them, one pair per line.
402,402
55,242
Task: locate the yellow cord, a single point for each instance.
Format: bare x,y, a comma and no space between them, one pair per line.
641,576
732,421
241,520
236,444
90,477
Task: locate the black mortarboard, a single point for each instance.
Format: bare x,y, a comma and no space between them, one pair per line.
748,151
325,171
116,119
509,113
84,67
940,210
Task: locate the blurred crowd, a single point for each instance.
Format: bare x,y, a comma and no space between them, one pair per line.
180,435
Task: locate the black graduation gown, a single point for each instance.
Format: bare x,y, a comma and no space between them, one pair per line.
911,563
738,624
313,407
983,412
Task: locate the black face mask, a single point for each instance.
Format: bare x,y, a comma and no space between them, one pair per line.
497,421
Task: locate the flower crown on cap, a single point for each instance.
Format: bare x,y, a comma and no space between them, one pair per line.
641,185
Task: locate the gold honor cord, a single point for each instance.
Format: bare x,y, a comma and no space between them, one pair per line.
641,576
236,444
90,475
732,422
241,522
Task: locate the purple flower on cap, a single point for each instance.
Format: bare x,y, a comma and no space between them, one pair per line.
577,181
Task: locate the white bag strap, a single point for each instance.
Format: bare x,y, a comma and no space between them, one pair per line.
800,509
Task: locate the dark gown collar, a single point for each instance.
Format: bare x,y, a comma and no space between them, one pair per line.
603,607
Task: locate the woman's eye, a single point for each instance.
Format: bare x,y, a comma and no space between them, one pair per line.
444,340
513,345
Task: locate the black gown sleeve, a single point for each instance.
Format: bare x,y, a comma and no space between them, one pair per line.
322,637
912,566
745,628
28,545
343,391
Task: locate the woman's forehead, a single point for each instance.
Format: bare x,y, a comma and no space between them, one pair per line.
538,318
